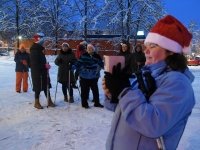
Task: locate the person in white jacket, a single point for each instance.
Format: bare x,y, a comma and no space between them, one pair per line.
151,111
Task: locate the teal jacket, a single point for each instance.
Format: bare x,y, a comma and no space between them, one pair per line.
89,65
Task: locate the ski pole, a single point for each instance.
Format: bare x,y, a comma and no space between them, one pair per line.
69,84
56,91
47,87
30,81
77,86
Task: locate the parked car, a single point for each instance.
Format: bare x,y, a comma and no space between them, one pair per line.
194,62
4,54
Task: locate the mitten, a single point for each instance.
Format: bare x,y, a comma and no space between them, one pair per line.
118,80
47,66
24,62
72,67
151,84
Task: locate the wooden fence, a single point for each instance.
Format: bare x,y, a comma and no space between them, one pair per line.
104,47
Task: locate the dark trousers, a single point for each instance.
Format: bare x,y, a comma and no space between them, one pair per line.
37,94
86,84
65,87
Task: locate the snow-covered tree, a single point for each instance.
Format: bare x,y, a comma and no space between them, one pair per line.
194,28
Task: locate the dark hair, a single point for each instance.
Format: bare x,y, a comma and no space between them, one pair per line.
81,48
176,62
138,45
127,43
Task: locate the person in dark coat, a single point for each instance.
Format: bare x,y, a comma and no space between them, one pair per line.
129,57
21,69
39,70
64,60
139,57
88,71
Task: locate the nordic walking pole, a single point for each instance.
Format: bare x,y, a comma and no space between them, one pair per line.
69,84
77,86
56,91
47,87
30,81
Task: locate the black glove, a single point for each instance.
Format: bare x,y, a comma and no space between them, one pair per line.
117,81
60,61
151,84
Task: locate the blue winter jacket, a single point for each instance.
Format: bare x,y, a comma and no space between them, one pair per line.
88,65
137,124
20,67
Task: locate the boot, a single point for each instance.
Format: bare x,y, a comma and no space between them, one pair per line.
65,98
98,105
51,104
37,104
71,99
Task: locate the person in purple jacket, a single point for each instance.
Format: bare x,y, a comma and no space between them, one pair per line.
151,110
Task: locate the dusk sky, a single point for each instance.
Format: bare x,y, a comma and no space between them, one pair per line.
184,10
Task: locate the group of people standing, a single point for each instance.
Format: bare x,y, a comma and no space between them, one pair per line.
87,62
150,110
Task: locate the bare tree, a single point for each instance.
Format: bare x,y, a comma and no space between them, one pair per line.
194,28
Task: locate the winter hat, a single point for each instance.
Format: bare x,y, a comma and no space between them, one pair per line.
124,42
90,45
170,34
83,43
38,38
65,45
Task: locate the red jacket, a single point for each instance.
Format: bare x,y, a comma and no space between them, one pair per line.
80,50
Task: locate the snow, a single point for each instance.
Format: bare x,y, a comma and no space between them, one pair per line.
65,127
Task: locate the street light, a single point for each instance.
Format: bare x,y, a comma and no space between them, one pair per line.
140,33
19,37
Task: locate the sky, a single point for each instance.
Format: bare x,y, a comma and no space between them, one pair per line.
183,10
65,127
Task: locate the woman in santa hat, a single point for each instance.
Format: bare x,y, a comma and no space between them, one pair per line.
152,110
39,70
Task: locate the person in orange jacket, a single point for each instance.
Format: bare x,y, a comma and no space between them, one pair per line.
21,69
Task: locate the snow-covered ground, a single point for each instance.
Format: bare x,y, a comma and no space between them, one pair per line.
65,127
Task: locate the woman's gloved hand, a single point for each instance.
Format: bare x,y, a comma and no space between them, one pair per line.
47,66
118,80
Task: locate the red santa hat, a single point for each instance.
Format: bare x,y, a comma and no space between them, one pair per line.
38,38
170,34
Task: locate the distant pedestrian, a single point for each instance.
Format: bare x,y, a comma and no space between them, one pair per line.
39,70
21,69
64,61
129,57
139,57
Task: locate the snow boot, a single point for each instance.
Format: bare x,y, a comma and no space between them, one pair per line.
98,105
51,104
37,104
65,98
71,99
